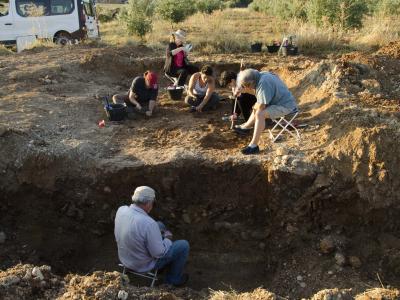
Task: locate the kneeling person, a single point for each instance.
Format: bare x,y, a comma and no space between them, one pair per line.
201,92
142,95
141,246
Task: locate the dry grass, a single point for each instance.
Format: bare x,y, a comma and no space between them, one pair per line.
228,31
233,30
313,39
377,31
4,50
257,294
42,44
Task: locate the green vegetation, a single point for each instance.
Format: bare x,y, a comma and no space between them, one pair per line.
175,11
137,16
342,13
208,6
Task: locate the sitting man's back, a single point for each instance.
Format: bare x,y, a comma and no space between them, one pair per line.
141,246
138,238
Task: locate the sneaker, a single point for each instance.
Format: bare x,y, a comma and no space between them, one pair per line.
250,150
184,280
241,131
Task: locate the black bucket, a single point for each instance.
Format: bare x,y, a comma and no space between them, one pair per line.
273,48
292,50
256,47
175,93
115,112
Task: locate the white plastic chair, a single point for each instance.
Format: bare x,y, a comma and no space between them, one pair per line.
149,275
284,124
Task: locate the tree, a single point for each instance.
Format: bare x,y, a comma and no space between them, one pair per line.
208,6
138,17
345,13
175,11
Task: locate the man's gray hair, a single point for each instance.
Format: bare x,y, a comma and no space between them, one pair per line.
143,195
248,77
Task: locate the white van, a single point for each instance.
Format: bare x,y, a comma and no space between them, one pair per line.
60,20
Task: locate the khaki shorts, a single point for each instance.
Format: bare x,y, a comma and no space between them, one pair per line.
276,111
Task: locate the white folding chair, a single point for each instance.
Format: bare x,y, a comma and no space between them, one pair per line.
174,80
148,275
285,124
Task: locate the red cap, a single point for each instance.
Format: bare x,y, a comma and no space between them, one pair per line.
151,77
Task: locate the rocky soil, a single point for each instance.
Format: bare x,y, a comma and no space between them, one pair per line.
30,282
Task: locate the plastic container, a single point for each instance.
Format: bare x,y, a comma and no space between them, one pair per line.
115,112
273,48
256,47
175,92
292,50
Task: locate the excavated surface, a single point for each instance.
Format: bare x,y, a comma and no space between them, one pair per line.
298,218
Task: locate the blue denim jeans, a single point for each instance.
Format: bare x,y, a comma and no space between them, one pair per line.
174,260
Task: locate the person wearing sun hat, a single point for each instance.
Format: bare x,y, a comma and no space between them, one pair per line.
142,95
176,62
141,244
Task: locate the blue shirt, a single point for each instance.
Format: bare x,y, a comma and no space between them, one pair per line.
138,239
270,90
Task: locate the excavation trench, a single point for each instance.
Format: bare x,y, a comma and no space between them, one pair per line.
243,221
224,210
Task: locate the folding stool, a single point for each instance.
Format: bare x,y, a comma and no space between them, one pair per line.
284,124
149,275
174,80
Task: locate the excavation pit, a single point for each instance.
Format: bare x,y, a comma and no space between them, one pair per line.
251,222
247,224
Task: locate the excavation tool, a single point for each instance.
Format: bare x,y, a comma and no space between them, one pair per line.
235,105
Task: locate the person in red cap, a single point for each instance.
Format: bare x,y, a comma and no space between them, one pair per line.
142,95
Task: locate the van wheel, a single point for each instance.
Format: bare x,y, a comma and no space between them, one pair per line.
62,38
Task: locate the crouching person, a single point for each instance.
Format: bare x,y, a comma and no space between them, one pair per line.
141,246
245,102
201,95
142,96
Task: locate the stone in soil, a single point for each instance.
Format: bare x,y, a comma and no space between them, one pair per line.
340,259
355,262
327,245
2,237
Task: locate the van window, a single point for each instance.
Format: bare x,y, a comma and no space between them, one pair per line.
4,8
88,8
61,7
32,8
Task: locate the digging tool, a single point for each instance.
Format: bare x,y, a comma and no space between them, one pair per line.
234,112
235,105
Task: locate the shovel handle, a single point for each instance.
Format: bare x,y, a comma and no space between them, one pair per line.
234,111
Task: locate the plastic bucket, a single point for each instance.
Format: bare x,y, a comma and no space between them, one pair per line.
175,93
292,50
273,48
115,112
256,47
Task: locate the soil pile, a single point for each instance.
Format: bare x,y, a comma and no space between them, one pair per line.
30,282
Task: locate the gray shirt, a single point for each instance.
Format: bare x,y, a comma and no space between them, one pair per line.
270,90
138,239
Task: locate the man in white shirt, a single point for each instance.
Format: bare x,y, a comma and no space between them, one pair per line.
141,246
